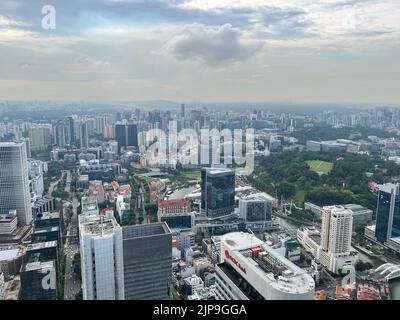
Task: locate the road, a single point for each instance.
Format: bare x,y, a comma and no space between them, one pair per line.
54,184
72,284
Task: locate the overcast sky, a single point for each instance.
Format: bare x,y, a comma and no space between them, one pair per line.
202,50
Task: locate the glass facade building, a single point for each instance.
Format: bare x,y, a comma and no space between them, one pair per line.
147,256
388,212
217,192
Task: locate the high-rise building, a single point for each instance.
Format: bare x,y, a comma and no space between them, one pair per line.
39,281
331,247
388,212
120,135
254,209
182,110
217,192
71,130
84,134
60,134
132,135
14,181
40,136
126,135
147,261
336,230
101,258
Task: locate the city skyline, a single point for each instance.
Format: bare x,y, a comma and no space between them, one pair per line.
199,50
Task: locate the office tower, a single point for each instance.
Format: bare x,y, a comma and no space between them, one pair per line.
100,124
147,261
388,212
182,110
126,135
39,281
132,135
250,270
217,192
121,136
14,181
84,134
254,209
71,130
101,258
40,136
60,134
336,230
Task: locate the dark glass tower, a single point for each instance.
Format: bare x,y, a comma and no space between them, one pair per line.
388,212
120,134
217,192
147,261
132,139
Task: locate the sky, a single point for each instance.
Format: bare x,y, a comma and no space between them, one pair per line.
202,50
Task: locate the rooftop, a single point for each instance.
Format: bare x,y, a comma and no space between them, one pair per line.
10,254
145,230
38,265
268,265
99,225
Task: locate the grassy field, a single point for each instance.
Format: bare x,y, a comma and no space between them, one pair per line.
146,179
192,175
320,166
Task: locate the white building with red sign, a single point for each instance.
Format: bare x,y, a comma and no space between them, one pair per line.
250,270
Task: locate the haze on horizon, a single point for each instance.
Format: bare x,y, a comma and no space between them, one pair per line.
202,50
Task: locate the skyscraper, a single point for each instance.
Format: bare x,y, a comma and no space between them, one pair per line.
71,130
336,230
101,258
388,212
84,135
132,135
14,181
126,135
333,249
40,136
147,261
217,191
60,134
120,135
182,110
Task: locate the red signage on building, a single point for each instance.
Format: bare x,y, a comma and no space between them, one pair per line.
237,264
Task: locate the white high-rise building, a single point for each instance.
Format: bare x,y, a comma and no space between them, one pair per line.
336,230
101,258
333,249
14,181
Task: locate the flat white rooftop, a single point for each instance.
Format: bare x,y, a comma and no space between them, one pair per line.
9,254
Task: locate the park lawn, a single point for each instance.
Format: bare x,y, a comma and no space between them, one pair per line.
192,175
320,166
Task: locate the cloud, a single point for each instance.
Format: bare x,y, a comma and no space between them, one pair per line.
213,46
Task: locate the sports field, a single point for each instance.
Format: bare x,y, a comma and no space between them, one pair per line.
320,166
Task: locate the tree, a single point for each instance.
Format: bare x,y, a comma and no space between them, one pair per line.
286,189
